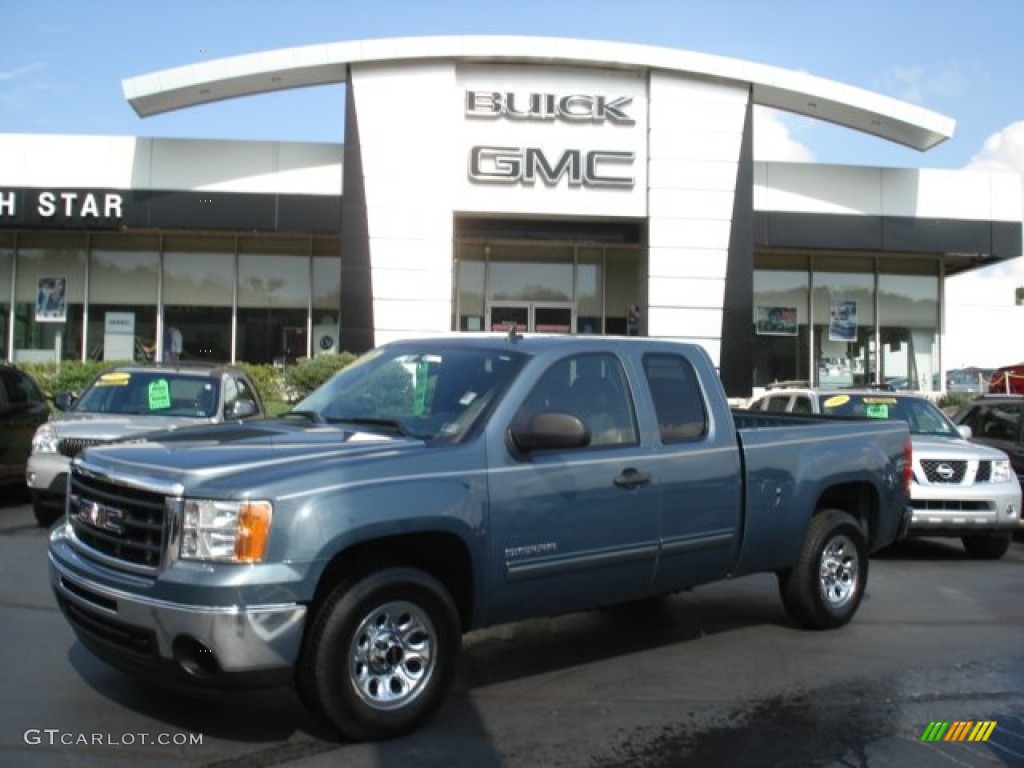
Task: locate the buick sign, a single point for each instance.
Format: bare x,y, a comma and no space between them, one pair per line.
573,108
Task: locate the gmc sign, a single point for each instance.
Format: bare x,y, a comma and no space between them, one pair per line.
525,165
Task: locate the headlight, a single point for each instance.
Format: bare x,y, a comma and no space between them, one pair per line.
228,531
1002,472
45,439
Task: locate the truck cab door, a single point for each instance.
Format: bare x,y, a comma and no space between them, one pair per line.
576,527
699,476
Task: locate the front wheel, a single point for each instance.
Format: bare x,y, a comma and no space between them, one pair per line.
987,547
380,654
825,586
46,515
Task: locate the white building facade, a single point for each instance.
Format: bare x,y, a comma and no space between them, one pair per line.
559,185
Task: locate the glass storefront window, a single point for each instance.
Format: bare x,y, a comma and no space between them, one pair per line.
625,285
530,273
326,295
273,299
6,265
908,315
471,275
843,317
590,290
199,278
49,296
123,276
781,324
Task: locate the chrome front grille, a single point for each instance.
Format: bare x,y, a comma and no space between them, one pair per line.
72,446
944,470
121,524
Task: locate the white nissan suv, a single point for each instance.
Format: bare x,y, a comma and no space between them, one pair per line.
960,489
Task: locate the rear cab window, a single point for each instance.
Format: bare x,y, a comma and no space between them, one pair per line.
678,402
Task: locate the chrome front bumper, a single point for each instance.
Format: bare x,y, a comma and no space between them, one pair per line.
203,642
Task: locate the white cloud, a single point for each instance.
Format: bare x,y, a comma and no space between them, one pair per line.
774,141
19,72
980,306
1003,151
917,84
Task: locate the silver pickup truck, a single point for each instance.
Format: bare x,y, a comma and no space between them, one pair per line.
960,489
442,485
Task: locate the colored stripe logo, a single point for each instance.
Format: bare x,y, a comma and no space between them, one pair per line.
958,730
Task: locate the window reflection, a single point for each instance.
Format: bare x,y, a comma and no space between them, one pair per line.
123,274
199,276
273,300
43,256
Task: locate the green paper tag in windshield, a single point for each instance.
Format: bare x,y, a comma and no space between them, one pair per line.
877,410
419,405
159,395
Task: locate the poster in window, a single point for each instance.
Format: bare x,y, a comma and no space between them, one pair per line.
843,323
51,300
776,321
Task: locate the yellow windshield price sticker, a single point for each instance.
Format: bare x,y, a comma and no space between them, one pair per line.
876,410
114,379
836,401
159,395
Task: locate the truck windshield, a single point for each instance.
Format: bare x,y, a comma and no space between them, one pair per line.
923,417
435,393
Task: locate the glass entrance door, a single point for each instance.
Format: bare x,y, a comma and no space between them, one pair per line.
530,316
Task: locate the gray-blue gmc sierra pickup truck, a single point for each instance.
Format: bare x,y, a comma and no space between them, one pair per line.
442,485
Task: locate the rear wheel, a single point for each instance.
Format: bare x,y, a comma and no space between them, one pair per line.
987,547
380,654
825,586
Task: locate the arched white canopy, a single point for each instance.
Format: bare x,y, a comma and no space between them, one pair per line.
788,90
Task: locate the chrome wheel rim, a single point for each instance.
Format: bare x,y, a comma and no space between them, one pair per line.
839,572
392,655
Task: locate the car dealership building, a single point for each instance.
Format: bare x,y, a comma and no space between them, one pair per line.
562,186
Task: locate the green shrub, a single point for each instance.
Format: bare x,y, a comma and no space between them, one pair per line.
72,376
308,374
951,401
268,380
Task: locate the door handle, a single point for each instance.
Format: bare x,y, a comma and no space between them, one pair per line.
631,478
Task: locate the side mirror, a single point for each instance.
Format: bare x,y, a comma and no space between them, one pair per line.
62,401
550,431
965,431
243,409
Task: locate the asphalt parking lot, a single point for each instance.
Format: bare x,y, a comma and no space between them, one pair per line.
714,677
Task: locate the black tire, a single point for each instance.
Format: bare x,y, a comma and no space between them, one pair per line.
987,547
825,586
45,515
380,654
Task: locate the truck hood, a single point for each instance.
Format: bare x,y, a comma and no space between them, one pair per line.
263,447
102,426
936,447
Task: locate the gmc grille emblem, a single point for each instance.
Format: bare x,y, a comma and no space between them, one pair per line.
100,516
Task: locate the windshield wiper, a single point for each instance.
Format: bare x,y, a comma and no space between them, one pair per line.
388,424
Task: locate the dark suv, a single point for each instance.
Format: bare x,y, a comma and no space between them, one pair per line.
996,420
22,409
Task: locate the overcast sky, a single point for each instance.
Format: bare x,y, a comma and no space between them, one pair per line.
62,62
